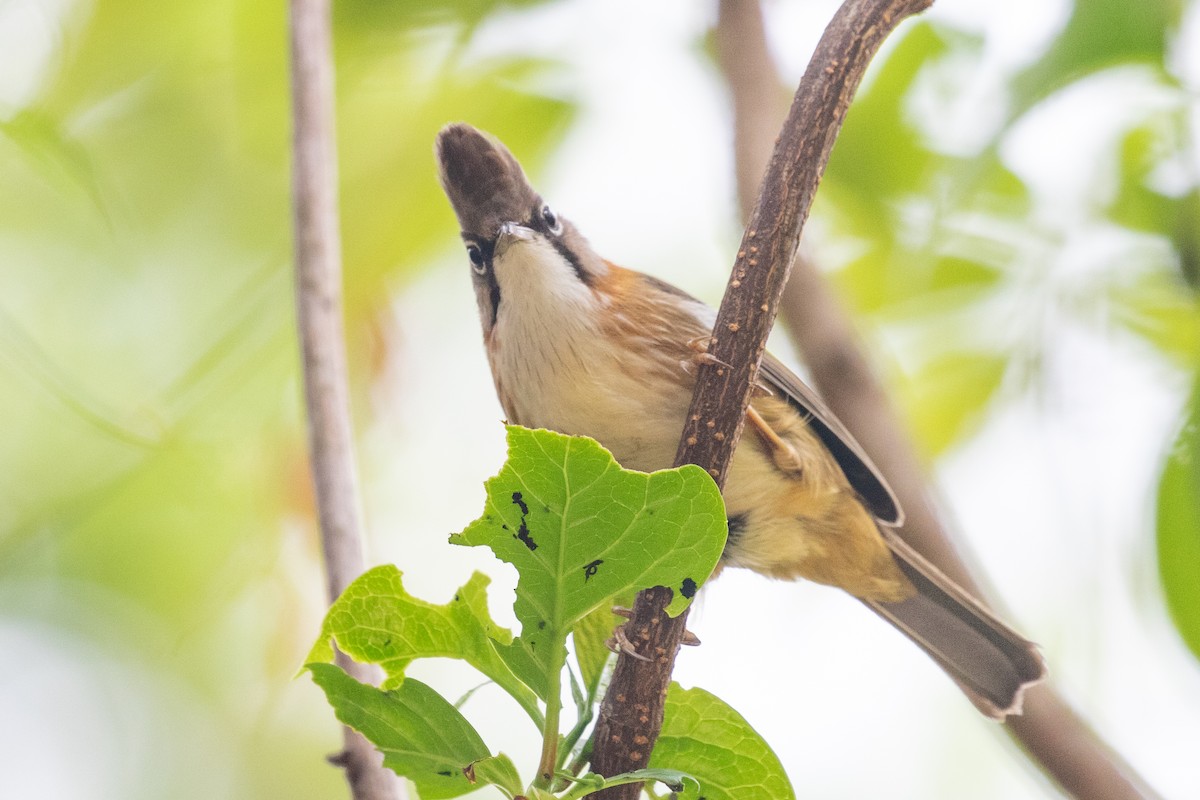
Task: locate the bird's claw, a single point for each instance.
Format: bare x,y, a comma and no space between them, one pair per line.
619,643
700,354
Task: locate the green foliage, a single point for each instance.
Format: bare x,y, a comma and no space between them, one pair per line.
1179,527
376,621
1100,34
156,487
944,399
421,736
730,761
922,257
582,532
944,235
543,513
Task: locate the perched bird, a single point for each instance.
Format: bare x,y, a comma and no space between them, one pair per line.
582,346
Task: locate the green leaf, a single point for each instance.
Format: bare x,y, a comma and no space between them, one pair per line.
376,621
946,397
1143,149
421,736
582,531
1099,34
1179,528
1159,307
710,741
917,284
498,771
878,157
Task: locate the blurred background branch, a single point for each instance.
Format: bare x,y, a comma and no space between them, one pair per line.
631,715
318,257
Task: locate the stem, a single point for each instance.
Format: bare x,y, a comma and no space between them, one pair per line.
581,760
549,762
631,715
573,737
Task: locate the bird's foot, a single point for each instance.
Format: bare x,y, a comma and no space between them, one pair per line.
619,643
782,452
700,354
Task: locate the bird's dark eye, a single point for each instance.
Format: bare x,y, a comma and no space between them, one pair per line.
476,256
553,223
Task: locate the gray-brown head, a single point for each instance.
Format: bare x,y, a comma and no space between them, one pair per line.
515,242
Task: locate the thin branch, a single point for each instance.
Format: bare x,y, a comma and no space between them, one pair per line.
1052,733
631,714
319,317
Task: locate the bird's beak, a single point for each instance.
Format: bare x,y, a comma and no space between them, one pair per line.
511,233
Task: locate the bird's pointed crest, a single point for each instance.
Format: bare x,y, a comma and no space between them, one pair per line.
483,180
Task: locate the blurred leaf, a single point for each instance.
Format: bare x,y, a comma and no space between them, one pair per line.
372,16
582,531
877,155
952,273
376,621
1160,143
146,326
1179,527
925,220
1136,205
1159,307
1187,238
1098,35
945,399
913,285
707,739
421,736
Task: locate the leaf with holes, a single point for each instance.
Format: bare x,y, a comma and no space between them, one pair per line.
376,621
582,531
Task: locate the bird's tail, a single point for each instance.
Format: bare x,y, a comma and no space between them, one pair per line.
990,661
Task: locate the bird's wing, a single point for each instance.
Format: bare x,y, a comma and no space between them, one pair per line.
863,475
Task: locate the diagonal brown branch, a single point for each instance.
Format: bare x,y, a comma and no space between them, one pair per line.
319,317
631,714
1050,731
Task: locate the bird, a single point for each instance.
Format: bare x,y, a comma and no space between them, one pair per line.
582,346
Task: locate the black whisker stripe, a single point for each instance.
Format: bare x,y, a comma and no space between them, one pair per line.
566,252
493,294
487,248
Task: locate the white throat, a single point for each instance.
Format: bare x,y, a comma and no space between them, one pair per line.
545,339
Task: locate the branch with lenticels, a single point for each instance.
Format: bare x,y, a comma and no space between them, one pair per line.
631,713
1051,732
